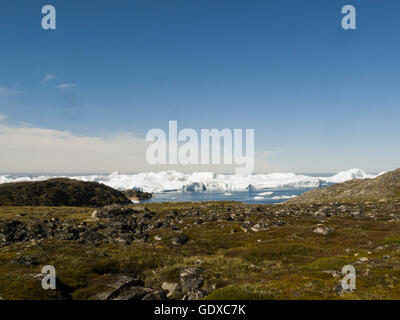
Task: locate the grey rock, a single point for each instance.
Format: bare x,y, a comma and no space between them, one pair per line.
131,293
156,295
94,214
320,229
194,295
119,286
191,282
261,225
180,240
174,290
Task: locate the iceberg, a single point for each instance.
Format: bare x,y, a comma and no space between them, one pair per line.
350,175
164,181
266,193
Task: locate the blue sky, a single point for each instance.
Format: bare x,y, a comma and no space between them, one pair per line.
321,99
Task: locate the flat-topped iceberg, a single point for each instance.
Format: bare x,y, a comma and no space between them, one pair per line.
205,181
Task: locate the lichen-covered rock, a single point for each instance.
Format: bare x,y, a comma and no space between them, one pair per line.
118,283
191,282
322,229
174,290
126,288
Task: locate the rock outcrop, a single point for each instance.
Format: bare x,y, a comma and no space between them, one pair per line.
60,192
127,288
383,188
115,224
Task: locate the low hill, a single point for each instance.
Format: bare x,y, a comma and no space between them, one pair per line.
385,187
60,192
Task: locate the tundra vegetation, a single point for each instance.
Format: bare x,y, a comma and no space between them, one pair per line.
209,250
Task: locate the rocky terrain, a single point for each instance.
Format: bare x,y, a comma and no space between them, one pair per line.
384,188
211,250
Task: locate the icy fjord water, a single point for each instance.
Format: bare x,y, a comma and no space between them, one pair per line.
248,196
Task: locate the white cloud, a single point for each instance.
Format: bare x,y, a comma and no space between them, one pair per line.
66,85
2,117
37,150
4,91
27,149
49,77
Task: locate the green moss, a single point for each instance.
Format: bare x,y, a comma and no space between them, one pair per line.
24,287
88,292
170,274
328,263
283,251
242,292
392,240
130,267
105,266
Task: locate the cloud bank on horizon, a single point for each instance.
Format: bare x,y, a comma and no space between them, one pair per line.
25,147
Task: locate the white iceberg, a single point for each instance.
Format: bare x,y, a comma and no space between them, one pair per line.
349,175
269,193
165,181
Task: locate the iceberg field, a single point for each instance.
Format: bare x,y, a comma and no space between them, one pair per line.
165,181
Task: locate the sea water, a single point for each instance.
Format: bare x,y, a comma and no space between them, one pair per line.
249,196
